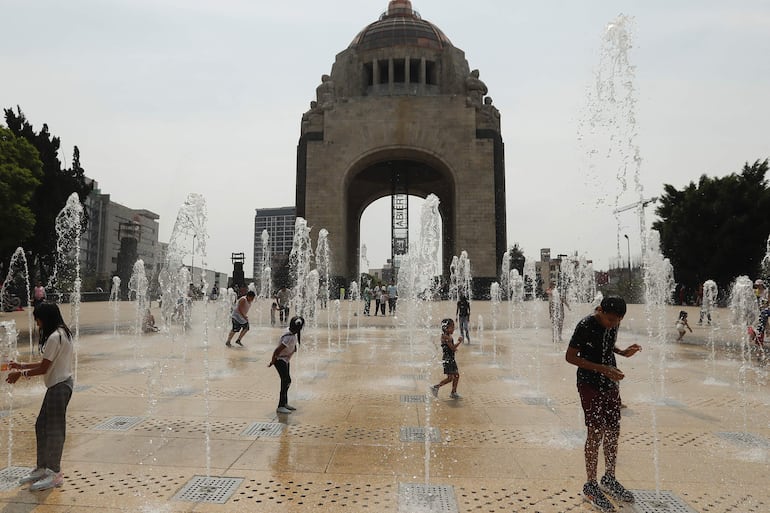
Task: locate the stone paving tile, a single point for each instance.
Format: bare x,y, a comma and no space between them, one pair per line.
512,443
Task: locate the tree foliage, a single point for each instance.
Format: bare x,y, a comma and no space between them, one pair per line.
716,229
50,196
20,173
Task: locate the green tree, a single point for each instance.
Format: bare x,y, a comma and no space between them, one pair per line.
716,229
20,174
50,196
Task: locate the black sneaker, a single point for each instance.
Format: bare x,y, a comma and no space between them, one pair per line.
239,343
616,490
594,495
228,344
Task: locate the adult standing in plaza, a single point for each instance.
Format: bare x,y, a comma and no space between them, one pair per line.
240,318
463,316
392,298
384,298
367,299
592,349
56,369
377,299
283,298
38,294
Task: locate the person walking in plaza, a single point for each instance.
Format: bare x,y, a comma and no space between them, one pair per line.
682,325
463,315
240,318
592,349
448,350
287,346
56,369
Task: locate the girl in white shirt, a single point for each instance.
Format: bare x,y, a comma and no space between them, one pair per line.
281,356
56,369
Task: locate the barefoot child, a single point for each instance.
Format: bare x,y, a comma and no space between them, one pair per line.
448,348
681,324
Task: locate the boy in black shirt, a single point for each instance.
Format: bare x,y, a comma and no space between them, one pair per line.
592,349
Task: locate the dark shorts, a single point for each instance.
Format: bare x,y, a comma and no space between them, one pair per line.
237,326
451,368
601,407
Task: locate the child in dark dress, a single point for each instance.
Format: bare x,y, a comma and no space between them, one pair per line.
448,349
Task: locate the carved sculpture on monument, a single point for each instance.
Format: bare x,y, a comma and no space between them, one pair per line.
325,93
475,89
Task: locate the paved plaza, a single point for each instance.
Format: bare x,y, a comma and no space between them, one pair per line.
158,420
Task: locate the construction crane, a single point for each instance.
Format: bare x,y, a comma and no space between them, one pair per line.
641,203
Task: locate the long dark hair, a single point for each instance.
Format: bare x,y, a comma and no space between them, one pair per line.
295,326
50,320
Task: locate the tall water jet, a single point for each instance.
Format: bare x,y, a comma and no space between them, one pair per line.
66,275
658,289
516,295
505,273
137,286
323,263
464,277
188,238
610,130
744,312
115,303
299,265
18,279
265,286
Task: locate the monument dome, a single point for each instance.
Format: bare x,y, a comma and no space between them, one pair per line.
400,25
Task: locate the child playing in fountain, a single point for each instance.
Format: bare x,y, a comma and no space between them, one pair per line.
281,356
592,349
240,318
56,368
448,349
273,308
681,324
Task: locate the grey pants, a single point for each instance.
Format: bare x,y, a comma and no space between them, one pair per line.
51,425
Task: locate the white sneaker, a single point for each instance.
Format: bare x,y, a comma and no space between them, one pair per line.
35,475
283,409
455,395
51,480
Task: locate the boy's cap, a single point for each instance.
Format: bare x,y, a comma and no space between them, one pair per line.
759,283
614,305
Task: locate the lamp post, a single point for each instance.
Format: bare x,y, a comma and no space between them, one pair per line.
192,270
628,244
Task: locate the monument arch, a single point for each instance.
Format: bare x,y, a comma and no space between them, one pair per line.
401,107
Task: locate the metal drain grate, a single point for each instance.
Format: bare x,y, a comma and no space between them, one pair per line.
741,438
180,392
9,477
417,434
426,498
208,489
263,429
650,501
82,388
119,423
413,398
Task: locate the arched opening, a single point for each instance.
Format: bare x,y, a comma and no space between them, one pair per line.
375,229
417,174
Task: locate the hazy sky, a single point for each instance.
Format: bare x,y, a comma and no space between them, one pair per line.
168,97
